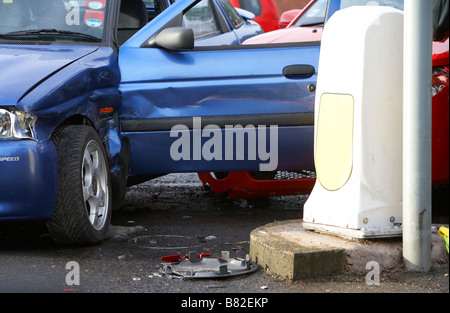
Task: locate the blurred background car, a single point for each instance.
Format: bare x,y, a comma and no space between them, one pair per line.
266,12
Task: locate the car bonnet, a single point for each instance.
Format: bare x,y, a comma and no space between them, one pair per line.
24,67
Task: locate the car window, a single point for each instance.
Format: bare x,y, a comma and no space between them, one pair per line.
315,14
29,16
398,4
155,7
234,16
202,20
253,6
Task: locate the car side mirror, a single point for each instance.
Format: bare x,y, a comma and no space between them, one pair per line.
172,39
246,15
287,17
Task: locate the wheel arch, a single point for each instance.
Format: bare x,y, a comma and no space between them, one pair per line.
76,119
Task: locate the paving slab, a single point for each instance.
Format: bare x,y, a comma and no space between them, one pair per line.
287,249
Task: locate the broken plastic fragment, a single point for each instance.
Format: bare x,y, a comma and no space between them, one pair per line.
177,257
443,232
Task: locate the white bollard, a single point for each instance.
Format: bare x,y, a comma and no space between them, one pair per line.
358,125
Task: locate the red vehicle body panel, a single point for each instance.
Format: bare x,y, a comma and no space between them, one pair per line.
290,34
268,17
240,185
440,119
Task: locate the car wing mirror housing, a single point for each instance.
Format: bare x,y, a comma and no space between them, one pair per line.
287,17
172,39
247,15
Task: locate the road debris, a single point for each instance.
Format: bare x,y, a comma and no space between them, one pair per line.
165,242
443,232
202,266
176,258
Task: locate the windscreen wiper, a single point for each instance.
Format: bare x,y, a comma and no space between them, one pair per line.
311,24
49,32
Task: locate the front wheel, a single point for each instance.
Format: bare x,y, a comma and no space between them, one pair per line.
82,212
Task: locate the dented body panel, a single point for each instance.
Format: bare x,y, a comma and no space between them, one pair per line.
174,88
63,83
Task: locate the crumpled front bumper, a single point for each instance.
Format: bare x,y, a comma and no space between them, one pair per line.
28,179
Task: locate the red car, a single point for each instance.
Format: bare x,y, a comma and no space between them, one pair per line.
265,11
307,25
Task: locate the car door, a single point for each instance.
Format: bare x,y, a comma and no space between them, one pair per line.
216,108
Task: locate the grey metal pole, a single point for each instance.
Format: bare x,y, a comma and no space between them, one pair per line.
417,134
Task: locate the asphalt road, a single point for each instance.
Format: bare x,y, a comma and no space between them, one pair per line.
170,215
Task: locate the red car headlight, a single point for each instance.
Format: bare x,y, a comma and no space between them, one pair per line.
439,79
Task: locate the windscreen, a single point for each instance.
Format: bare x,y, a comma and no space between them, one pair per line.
315,14
397,4
58,20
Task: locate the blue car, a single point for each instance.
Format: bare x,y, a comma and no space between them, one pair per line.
95,98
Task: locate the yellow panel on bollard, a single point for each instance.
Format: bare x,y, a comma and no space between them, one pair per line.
358,130
334,144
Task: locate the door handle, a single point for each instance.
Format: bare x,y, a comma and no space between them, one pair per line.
299,71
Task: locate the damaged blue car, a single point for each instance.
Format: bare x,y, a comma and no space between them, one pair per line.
99,95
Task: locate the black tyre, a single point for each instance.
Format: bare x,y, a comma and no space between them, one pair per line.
82,212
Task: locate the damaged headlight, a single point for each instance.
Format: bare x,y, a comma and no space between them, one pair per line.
439,79
15,124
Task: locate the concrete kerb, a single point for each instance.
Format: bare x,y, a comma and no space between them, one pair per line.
291,251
